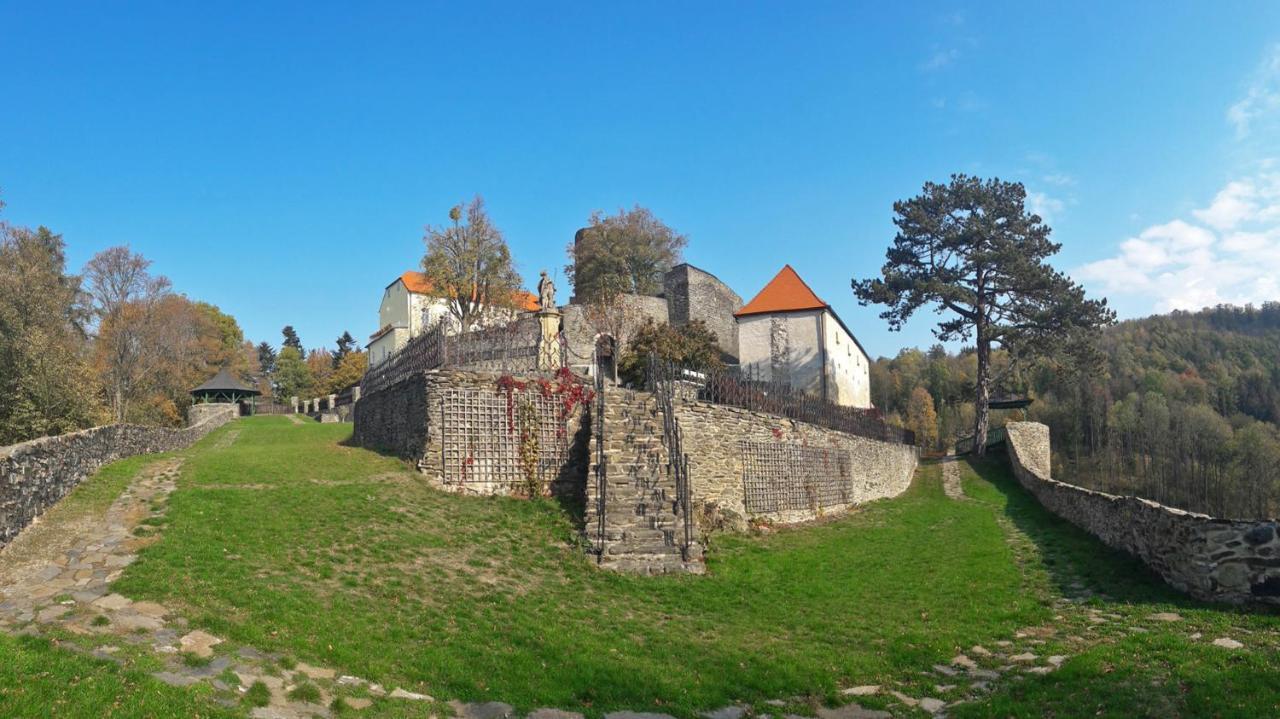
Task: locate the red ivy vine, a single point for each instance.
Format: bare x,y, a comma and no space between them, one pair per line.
571,391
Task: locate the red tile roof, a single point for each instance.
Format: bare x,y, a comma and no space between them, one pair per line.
417,283
786,292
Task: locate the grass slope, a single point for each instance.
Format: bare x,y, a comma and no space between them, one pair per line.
289,541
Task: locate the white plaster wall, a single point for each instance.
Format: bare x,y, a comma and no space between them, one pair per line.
756,348
848,369
395,306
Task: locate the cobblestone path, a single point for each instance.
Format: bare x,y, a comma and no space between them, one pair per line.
951,478
56,577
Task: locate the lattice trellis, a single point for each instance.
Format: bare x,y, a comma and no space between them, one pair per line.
481,445
779,476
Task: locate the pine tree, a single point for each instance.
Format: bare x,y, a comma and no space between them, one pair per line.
291,339
971,249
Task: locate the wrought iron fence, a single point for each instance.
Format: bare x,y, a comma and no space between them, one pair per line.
679,461
507,348
601,457
995,438
737,388
269,406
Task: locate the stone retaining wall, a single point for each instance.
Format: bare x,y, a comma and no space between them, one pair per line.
36,474
1221,560
713,435
407,420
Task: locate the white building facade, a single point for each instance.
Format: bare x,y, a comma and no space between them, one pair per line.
788,334
410,306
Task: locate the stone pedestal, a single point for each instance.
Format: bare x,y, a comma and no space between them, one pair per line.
294,401
549,355
355,394
333,403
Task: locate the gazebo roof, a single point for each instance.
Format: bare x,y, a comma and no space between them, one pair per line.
224,382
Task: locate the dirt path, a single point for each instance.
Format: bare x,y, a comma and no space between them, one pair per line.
56,576
951,478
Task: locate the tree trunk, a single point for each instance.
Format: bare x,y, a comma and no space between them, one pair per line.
982,396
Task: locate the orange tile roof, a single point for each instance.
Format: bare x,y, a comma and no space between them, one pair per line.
786,292
417,283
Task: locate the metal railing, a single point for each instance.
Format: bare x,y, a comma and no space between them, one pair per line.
512,347
602,457
735,388
678,462
995,437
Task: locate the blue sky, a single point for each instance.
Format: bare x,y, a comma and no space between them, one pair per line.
281,159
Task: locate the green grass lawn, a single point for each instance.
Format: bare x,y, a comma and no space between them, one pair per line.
292,542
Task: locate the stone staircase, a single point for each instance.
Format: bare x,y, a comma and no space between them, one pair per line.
638,527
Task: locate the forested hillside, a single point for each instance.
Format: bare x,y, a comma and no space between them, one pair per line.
1183,408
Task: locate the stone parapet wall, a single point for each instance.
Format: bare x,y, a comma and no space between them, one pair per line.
408,419
1223,560
714,436
198,413
36,474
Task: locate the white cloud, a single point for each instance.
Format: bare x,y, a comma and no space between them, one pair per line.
1047,207
1262,97
1060,179
1231,255
940,59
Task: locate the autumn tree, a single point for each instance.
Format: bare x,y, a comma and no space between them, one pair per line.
692,345
45,381
350,370
124,295
320,364
971,249
626,253
468,264
922,418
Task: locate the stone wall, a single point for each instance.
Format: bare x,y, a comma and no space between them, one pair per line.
36,474
198,413
580,332
694,294
713,437
408,420
1222,560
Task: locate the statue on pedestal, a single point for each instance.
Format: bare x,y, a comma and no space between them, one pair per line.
546,293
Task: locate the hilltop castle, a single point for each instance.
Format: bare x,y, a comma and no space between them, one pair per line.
786,333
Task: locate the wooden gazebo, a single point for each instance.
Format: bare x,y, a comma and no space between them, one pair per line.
225,388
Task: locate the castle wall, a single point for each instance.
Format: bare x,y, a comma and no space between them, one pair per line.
457,428
1223,560
581,329
693,294
36,474
729,449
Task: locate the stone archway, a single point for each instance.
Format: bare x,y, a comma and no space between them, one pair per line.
606,357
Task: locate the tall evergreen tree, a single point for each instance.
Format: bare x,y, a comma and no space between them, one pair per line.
973,250
266,359
291,340
346,343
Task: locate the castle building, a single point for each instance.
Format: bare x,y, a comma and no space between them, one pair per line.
787,334
410,306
